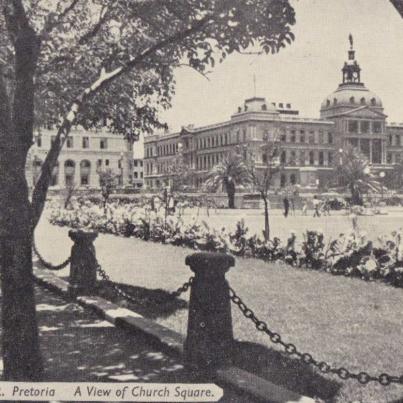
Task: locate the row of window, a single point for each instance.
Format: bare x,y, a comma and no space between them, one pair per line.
221,140
310,137
395,140
394,158
208,161
85,142
353,101
69,165
301,158
162,150
364,126
239,136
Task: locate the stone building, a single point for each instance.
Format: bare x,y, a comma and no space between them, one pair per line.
352,114
83,155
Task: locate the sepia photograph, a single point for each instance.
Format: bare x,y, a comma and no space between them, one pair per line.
201,201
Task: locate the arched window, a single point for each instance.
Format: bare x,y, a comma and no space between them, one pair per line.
69,169
352,100
293,179
334,101
328,102
373,101
85,170
362,100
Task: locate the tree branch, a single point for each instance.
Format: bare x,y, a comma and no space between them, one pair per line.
42,185
103,16
205,75
51,22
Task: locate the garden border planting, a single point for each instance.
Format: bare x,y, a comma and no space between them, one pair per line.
351,254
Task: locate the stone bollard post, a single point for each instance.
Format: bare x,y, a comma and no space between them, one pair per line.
209,339
83,264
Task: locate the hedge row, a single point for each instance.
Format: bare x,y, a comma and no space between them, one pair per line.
350,255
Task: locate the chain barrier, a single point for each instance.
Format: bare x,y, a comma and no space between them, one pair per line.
49,265
125,295
343,373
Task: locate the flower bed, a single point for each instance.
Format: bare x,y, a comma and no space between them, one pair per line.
350,254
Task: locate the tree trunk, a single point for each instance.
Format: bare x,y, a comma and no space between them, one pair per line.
20,342
21,354
266,220
356,199
230,187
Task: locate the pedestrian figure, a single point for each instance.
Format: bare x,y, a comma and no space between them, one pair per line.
316,203
286,204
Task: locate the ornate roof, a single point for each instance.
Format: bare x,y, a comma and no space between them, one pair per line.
351,92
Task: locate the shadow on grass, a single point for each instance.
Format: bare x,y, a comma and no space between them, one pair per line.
282,369
151,303
78,346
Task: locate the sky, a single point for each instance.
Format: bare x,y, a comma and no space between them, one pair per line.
308,70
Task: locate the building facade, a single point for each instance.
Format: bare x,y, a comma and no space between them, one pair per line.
138,178
84,154
350,115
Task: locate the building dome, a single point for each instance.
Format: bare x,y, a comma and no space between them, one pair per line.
352,95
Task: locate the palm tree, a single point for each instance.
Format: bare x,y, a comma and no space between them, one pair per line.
354,171
228,173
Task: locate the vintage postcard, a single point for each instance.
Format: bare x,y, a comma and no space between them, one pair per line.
201,201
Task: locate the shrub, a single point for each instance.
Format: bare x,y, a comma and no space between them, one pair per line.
349,255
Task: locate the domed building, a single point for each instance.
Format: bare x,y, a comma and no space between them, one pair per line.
357,113
352,114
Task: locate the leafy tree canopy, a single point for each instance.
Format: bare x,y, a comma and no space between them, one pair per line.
79,39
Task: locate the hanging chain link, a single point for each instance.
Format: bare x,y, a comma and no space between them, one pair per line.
343,373
125,295
183,288
47,264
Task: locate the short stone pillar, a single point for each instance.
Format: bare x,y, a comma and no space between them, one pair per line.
209,338
83,264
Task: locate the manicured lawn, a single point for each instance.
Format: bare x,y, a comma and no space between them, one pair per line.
345,322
